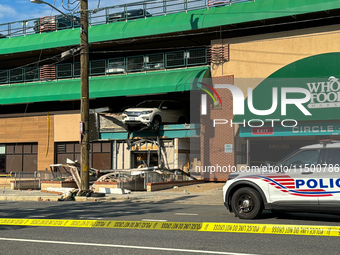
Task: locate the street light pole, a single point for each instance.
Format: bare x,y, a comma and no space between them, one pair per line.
84,90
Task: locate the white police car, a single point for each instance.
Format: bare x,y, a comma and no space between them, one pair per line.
306,180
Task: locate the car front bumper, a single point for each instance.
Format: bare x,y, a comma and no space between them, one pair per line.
135,121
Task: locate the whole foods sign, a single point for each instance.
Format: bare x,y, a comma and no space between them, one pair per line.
324,94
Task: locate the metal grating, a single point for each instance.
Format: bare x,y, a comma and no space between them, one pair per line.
134,64
115,65
154,61
97,67
196,57
31,74
64,70
76,69
16,75
4,76
175,59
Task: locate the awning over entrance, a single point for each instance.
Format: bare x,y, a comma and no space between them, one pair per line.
303,129
104,86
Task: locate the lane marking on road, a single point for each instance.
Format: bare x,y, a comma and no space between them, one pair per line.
281,229
186,214
122,246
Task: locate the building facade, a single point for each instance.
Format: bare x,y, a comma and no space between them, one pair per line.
166,52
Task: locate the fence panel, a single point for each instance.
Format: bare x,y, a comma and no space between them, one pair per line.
64,70
115,65
196,57
135,64
175,59
154,61
31,74
97,67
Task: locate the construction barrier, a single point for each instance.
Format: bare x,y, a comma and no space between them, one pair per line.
310,230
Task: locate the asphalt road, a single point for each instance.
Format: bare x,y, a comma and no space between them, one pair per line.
61,240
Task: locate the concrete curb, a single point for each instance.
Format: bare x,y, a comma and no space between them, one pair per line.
28,198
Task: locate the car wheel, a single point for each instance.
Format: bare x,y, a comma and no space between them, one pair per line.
156,123
246,203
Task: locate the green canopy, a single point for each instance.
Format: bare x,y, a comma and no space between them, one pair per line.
104,86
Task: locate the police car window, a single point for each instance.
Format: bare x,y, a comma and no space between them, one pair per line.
332,157
302,159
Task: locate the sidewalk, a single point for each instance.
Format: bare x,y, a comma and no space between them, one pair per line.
205,193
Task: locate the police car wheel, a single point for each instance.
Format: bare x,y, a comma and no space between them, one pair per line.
246,203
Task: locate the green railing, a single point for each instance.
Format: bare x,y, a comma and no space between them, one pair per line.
147,62
19,75
125,12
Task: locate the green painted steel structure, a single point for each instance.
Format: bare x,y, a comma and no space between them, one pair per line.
104,86
192,20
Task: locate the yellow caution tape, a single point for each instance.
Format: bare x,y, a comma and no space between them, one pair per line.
272,229
186,226
192,226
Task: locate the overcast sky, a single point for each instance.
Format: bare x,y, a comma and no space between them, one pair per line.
16,10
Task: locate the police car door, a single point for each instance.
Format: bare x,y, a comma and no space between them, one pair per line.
293,185
329,179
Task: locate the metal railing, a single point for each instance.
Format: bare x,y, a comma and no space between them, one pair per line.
19,75
148,62
131,11
134,181
24,181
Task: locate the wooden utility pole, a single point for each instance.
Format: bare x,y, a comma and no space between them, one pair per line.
84,87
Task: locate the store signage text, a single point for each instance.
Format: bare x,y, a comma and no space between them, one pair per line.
263,131
324,94
313,129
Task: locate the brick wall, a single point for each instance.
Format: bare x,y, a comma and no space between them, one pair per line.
213,139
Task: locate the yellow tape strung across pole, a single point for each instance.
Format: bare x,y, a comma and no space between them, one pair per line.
185,226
